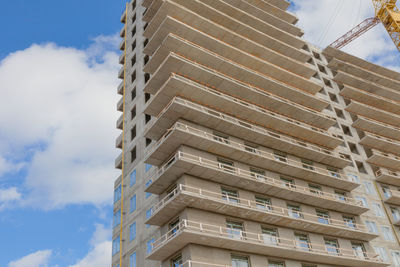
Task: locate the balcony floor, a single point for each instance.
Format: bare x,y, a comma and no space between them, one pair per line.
378,128
381,144
383,161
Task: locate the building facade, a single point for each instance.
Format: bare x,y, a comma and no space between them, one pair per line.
244,145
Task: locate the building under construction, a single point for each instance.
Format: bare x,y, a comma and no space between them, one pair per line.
244,145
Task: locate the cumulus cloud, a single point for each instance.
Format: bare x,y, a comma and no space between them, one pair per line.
58,115
324,21
100,253
37,259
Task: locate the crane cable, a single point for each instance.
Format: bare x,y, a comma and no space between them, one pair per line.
336,12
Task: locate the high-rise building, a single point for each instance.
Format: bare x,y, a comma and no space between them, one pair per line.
243,145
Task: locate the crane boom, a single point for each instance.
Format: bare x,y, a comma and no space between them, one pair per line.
389,14
386,12
355,32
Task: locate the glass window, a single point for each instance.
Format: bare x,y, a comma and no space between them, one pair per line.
369,188
230,195
132,231
117,194
323,216
263,203
334,172
149,245
354,177
387,233
386,191
362,200
147,185
147,167
132,204
115,245
132,178
177,261
288,182
359,250
349,221
148,213
307,164
226,165
395,214
221,137
132,260
258,174
234,229
396,258
331,246
382,253
294,211
315,189
280,156
270,235
117,218
240,261
302,241
276,263
341,195
377,209
174,227
371,227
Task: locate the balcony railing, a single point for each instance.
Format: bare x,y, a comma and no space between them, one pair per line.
252,176
383,171
257,206
201,264
183,127
264,240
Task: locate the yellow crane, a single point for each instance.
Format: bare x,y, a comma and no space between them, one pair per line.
387,13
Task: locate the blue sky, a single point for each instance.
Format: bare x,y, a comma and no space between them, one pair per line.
58,69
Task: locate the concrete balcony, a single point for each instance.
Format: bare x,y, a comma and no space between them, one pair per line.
188,10
118,162
377,127
121,73
122,45
267,138
364,74
274,10
123,17
184,163
147,3
231,10
202,36
122,32
120,122
120,105
374,113
350,80
219,78
229,60
372,100
118,141
392,197
267,17
381,143
180,108
187,232
331,52
120,89
385,160
223,100
183,134
187,196
387,176
121,59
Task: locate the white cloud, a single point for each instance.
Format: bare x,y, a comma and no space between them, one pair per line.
100,253
58,115
37,259
324,21
9,197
